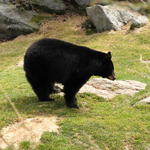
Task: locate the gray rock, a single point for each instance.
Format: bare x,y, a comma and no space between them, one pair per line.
144,101
57,5
108,89
113,17
4,1
83,2
14,22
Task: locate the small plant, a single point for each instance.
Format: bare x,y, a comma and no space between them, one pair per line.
25,145
89,27
26,4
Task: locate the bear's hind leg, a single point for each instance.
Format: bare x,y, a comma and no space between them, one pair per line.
40,87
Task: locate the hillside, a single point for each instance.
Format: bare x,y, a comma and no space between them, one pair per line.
99,124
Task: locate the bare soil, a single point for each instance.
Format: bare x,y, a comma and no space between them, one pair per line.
27,130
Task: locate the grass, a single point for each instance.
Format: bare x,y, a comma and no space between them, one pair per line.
99,124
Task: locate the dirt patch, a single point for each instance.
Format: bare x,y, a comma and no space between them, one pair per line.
142,29
27,130
20,63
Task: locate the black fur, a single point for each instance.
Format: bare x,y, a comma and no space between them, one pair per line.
48,61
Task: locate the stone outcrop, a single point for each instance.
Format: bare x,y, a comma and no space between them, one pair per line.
108,89
4,1
14,22
83,2
113,17
54,5
144,101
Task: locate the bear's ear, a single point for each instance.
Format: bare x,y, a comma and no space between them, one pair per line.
109,55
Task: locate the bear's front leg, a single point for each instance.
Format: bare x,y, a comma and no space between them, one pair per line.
71,87
71,100
70,90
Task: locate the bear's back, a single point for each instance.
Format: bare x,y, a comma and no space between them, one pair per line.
49,45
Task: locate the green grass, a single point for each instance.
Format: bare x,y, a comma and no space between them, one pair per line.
114,124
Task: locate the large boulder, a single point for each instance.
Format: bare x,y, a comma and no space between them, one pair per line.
52,5
108,89
113,17
14,22
144,101
83,2
4,1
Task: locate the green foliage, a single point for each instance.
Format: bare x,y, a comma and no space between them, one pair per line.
25,145
89,27
41,18
25,4
54,141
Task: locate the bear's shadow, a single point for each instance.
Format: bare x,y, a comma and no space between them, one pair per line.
31,105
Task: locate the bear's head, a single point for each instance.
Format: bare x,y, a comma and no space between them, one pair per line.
108,67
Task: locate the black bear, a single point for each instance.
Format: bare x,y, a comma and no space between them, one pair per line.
50,61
